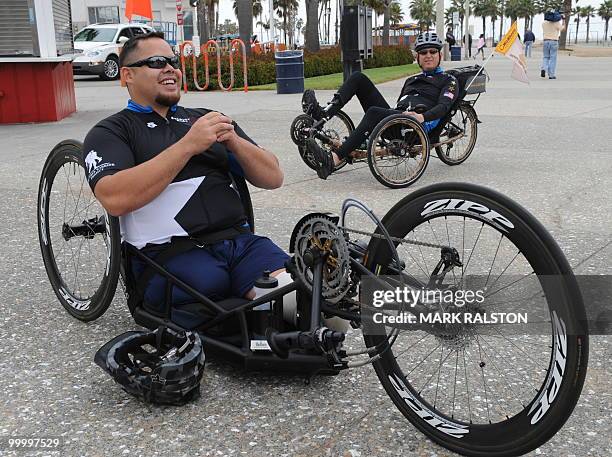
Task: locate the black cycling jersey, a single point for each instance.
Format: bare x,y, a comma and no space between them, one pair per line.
436,90
200,200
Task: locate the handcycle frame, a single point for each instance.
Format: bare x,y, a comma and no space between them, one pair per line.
316,350
312,356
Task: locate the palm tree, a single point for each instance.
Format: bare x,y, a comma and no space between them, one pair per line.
458,6
386,22
244,13
263,25
502,14
567,10
257,12
311,36
378,7
424,12
396,14
285,9
206,24
491,9
479,9
520,8
605,12
589,12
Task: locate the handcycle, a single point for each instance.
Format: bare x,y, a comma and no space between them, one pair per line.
474,389
398,148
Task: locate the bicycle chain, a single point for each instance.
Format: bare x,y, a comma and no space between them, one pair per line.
393,238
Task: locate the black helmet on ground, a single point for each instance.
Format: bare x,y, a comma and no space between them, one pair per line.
162,366
427,40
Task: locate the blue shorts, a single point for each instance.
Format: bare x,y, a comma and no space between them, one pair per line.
228,268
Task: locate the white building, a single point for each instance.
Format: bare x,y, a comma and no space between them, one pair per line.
85,12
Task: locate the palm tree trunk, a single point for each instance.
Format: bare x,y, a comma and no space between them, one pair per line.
588,22
484,25
577,26
606,30
202,26
387,17
312,32
245,22
567,9
501,28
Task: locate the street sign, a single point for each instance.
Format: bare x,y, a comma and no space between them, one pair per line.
455,17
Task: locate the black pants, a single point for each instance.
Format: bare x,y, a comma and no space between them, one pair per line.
373,103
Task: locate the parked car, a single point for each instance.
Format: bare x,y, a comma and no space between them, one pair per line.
97,48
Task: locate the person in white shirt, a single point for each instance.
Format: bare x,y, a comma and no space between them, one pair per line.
551,27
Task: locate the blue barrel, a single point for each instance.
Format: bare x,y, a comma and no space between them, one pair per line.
289,72
455,52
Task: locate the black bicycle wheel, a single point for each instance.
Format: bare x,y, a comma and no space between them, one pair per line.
461,132
79,241
398,151
337,128
480,390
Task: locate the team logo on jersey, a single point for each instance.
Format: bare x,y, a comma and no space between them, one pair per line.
94,165
182,120
151,125
92,160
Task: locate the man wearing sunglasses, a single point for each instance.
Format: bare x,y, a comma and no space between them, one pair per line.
166,171
432,89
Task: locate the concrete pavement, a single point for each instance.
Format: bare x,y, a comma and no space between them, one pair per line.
546,145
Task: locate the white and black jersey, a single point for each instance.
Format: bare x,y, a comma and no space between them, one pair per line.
200,201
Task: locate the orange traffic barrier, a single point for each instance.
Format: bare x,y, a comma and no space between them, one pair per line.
204,50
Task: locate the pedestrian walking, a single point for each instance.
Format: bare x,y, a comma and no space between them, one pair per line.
450,37
529,40
480,46
551,27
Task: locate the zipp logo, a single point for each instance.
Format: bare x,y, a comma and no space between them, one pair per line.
79,305
92,160
555,376
467,206
443,425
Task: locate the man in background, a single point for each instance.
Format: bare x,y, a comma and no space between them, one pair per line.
529,40
551,27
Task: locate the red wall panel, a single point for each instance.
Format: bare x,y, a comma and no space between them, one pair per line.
36,92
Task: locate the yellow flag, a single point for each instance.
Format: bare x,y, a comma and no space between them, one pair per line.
506,42
511,47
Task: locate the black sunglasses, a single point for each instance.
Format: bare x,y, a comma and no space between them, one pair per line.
428,51
157,62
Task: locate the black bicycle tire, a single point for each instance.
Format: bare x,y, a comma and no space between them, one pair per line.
302,149
517,440
471,113
65,152
384,124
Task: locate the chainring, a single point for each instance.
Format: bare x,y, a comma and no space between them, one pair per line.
322,232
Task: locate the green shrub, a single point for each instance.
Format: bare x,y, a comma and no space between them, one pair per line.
261,69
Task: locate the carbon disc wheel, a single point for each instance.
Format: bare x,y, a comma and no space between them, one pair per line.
484,390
